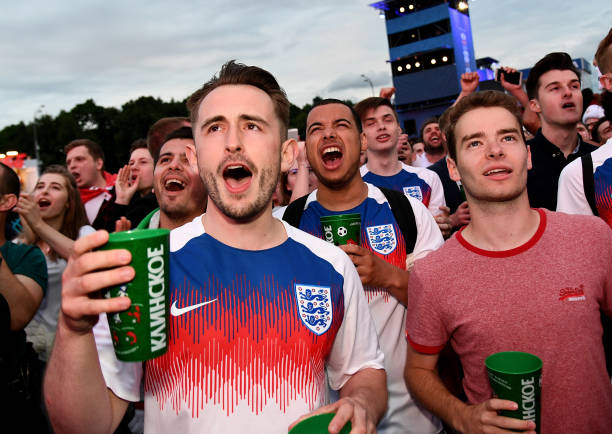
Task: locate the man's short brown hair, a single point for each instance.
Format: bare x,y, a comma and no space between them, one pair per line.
159,130
233,73
603,55
552,61
483,99
138,144
372,103
93,148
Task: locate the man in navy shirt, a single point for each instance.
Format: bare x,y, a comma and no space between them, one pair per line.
553,88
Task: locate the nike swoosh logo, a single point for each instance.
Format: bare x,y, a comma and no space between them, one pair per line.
178,311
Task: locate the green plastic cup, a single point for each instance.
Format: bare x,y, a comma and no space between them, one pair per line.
517,376
318,425
141,332
342,228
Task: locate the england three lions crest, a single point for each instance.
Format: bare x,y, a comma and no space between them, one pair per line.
314,306
414,191
382,238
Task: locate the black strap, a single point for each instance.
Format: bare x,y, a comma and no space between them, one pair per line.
293,212
400,206
404,216
588,180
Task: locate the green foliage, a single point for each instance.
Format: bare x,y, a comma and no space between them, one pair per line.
114,129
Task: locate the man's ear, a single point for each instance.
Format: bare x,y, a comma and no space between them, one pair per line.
529,165
99,163
289,152
7,202
452,169
534,105
190,153
364,142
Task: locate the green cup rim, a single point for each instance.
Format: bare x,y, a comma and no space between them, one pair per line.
334,217
136,234
320,421
532,359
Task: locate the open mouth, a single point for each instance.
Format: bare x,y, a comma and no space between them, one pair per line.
569,105
237,177
383,137
174,184
44,204
332,157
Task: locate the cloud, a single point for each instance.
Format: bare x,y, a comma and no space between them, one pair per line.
112,52
355,80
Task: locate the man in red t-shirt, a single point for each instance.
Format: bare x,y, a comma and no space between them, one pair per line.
515,278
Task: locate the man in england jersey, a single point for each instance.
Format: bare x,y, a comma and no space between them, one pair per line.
264,317
380,134
333,146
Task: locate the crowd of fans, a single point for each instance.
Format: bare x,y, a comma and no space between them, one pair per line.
470,245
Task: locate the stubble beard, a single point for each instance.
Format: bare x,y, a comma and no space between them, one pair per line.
267,185
434,150
339,184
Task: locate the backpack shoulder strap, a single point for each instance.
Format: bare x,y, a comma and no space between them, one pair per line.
404,215
293,212
589,181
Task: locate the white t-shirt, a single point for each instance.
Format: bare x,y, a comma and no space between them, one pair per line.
283,325
421,161
571,198
40,330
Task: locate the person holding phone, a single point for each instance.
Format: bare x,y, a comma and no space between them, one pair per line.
512,81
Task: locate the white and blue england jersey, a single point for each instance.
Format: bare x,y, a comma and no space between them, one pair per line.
381,235
571,198
417,182
255,337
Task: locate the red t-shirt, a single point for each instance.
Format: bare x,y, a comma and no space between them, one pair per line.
543,298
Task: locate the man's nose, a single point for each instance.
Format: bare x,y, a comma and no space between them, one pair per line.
329,133
233,140
494,149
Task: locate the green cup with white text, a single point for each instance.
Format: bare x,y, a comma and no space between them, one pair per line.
342,229
517,376
318,425
141,332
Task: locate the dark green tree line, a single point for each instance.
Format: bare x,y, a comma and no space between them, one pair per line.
114,129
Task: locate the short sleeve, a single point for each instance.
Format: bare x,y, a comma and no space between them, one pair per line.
425,330
356,344
570,195
437,192
123,378
27,261
429,237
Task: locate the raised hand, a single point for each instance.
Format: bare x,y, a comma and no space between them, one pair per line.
125,188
